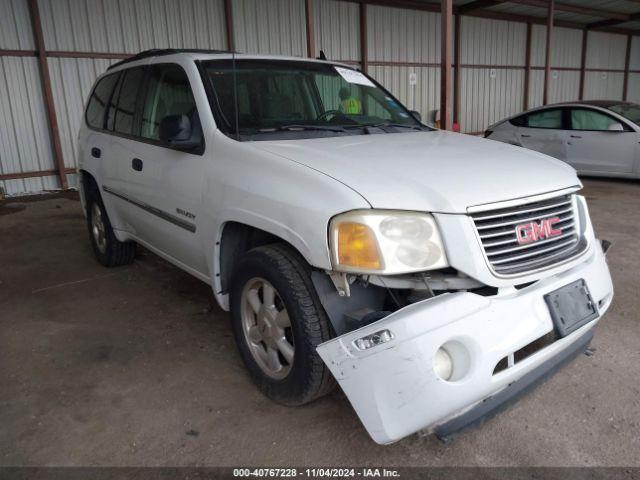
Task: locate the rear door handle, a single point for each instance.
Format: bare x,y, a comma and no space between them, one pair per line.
525,136
95,152
575,136
136,164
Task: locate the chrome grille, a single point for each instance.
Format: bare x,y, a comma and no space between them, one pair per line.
497,232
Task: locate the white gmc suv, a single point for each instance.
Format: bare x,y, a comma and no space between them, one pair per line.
433,275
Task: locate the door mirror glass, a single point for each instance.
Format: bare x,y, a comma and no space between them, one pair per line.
416,115
616,127
176,131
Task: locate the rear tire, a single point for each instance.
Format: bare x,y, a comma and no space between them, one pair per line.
278,322
109,251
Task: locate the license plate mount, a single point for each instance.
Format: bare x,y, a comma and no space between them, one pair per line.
571,307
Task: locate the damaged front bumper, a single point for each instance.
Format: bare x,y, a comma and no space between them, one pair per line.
393,385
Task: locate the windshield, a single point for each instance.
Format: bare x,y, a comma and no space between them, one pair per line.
289,99
629,111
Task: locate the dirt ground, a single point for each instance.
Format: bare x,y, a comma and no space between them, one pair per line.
137,366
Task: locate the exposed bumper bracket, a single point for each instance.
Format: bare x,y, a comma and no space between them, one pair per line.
494,404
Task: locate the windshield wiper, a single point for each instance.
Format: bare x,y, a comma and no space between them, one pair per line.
387,124
295,127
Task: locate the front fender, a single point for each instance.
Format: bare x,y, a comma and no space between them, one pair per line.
284,198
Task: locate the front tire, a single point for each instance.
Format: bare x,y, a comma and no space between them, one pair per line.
109,251
278,322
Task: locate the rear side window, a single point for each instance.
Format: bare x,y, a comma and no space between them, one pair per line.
545,119
520,121
125,109
168,93
98,101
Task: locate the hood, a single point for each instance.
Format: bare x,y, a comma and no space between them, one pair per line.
436,171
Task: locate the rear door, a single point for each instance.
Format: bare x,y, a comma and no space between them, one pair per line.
96,145
544,131
600,143
121,123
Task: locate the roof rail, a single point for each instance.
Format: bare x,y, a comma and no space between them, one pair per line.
157,52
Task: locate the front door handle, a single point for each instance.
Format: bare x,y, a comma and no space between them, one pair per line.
95,152
575,136
136,164
525,136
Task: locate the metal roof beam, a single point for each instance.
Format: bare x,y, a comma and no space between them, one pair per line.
481,11
477,5
611,22
564,7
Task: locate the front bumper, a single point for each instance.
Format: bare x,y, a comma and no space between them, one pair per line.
393,386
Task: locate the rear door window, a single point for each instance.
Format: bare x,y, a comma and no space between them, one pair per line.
95,114
545,119
125,109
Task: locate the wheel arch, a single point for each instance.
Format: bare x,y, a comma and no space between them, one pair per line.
235,239
87,183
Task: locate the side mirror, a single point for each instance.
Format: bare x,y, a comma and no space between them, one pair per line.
616,127
177,131
416,115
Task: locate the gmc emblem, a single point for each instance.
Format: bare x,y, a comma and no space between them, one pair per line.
534,231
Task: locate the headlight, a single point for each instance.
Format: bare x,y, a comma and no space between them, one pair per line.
385,242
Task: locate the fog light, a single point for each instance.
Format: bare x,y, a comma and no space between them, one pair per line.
443,364
378,338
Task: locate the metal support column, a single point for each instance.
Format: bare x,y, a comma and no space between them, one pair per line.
445,64
48,95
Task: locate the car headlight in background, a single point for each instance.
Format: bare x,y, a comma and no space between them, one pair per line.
385,242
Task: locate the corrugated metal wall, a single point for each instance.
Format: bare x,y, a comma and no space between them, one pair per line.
270,26
71,82
25,145
564,86
566,53
403,49
488,94
337,29
397,35
130,26
15,26
634,59
633,87
72,25
605,51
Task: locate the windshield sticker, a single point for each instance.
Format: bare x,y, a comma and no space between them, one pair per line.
353,76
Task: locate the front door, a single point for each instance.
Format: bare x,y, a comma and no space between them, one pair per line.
599,143
167,183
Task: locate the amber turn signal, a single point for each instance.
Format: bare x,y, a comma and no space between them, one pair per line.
357,246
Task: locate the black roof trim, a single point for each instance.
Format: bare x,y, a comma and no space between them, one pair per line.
158,52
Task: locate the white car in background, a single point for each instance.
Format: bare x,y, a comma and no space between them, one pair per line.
435,276
599,137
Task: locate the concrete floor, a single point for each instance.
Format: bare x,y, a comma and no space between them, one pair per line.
137,366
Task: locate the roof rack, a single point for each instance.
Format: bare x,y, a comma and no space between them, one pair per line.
158,52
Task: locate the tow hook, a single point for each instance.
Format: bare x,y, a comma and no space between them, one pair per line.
606,245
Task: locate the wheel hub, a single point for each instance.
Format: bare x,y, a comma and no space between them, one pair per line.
98,228
267,328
